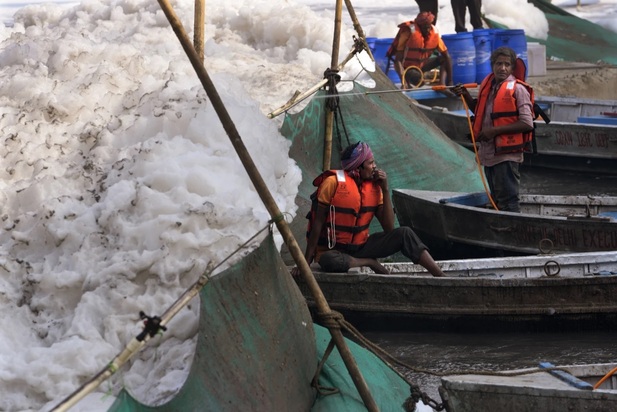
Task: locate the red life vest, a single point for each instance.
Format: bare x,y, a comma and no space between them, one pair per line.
351,211
417,49
504,112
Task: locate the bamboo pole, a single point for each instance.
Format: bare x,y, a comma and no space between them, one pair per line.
299,97
269,202
336,41
131,348
199,25
357,27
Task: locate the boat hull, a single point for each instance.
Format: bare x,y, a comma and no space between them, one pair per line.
554,292
570,142
540,391
457,225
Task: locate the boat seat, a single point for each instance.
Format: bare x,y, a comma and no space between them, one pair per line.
479,199
611,121
425,94
612,215
566,377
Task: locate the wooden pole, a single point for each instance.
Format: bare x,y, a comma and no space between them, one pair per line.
336,41
131,348
200,22
299,97
269,202
357,27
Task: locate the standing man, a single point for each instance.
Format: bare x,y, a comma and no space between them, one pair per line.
459,9
502,126
418,45
429,5
346,201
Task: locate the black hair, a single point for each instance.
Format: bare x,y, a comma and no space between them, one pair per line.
348,151
503,51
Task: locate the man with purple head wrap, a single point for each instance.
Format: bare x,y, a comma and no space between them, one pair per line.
344,205
360,153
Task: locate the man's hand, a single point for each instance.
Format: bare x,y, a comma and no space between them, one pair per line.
459,89
381,177
487,134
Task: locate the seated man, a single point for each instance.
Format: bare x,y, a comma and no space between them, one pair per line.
345,203
414,47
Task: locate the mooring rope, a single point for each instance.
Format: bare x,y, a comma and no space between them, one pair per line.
336,319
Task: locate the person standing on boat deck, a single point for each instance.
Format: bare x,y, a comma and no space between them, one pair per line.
345,204
503,119
418,44
429,5
459,9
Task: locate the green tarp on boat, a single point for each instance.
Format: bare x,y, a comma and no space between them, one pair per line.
258,350
571,38
407,145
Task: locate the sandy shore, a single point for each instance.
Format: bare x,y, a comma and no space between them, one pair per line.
584,80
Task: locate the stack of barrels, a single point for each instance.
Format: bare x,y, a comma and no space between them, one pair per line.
470,52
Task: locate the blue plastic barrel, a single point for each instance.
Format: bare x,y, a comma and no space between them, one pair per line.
463,53
379,53
483,41
514,39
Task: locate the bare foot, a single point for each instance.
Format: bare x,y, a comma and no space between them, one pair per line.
379,268
371,263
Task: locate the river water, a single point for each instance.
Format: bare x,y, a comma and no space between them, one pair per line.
442,352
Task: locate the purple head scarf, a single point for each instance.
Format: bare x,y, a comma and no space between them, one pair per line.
361,153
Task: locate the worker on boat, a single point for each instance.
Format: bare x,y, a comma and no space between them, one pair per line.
503,125
417,49
344,205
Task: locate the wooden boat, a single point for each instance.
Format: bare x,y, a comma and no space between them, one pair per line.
547,389
525,292
455,224
581,136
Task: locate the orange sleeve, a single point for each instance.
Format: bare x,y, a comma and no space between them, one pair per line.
327,190
441,46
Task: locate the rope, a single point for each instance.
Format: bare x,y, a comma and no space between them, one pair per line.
601,381
152,326
333,103
475,150
324,390
418,83
336,320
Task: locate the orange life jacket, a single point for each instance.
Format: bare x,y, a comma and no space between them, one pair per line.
417,49
351,211
504,112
